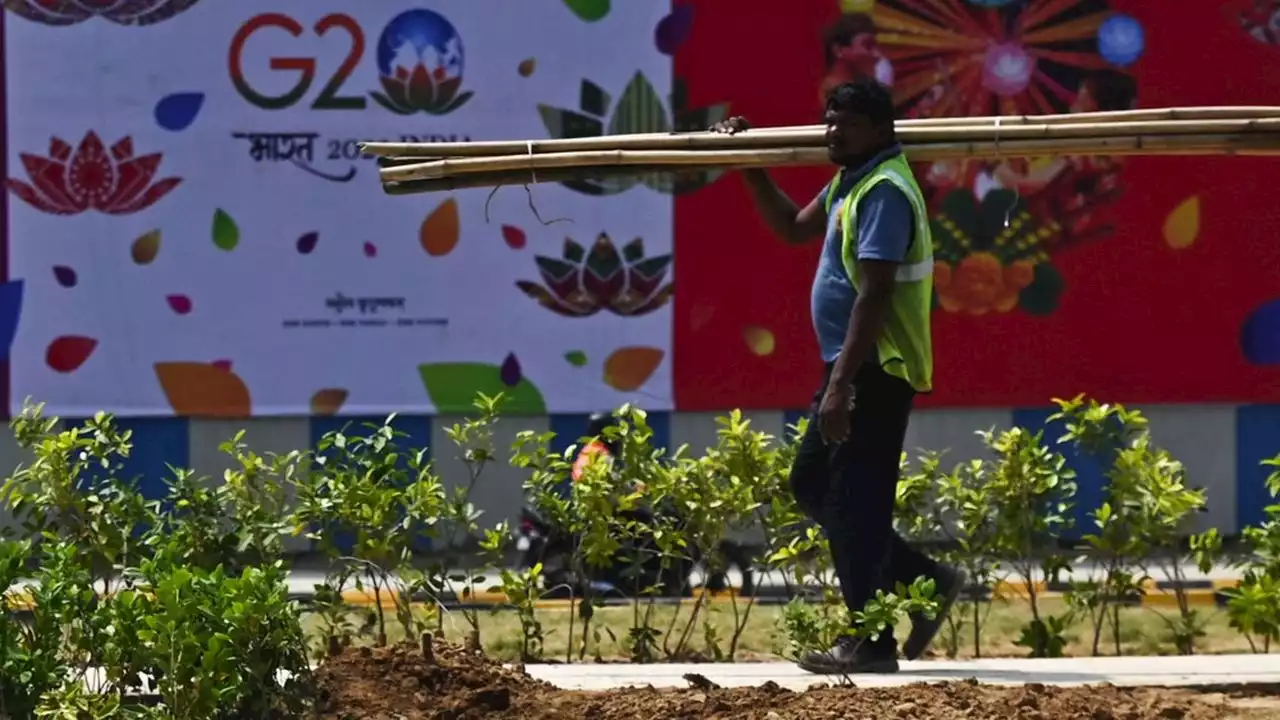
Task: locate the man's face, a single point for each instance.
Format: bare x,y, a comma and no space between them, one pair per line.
849,136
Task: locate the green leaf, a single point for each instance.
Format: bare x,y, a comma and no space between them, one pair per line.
452,388
226,234
639,110
1041,296
589,10
576,358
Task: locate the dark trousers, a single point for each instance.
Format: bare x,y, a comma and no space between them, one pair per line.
849,490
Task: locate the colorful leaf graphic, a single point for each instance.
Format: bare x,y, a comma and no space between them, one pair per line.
10,311
510,371
759,340
145,248
177,111
328,401
65,276
439,232
576,358
203,390
526,67
513,236
370,250
639,110
308,242
589,10
226,234
629,368
452,388
180,304
67,353
1260,335
1182,225
673,29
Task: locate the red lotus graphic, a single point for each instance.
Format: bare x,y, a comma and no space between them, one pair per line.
91,178
121,12
584,283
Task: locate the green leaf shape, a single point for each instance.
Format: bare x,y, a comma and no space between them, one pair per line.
452,388
576,358
589,10
562,124
639,110
1042,295
593,99
226,234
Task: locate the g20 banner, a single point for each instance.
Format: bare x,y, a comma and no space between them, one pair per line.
1152,280
192,229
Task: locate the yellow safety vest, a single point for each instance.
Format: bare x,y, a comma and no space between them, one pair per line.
905,348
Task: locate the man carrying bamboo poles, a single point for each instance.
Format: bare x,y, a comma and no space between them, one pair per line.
871,301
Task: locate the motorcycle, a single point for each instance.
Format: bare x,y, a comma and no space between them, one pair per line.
538,541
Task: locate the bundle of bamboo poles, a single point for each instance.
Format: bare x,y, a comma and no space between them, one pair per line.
426,167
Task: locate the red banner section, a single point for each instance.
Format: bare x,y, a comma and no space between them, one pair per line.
1142,280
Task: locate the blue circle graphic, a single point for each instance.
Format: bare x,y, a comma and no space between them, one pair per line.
420,37
1121,40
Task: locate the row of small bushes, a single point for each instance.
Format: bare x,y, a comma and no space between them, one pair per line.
187,597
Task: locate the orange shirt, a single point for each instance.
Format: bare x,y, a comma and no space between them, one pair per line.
592,449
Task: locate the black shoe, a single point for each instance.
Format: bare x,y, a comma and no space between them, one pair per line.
849,656
950,581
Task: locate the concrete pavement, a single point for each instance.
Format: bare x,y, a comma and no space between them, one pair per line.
1199,670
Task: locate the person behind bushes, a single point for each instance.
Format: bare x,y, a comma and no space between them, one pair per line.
871,301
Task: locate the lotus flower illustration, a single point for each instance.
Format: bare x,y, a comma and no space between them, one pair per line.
639,110
420,62
91,178
121,12
584,283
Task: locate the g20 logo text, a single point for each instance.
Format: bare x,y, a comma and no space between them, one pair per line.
419,58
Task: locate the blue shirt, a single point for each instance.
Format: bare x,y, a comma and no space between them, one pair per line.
886,229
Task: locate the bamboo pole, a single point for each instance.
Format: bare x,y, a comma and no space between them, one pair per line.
1174,145
936,148
652,141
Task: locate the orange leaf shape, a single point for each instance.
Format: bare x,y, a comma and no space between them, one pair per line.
440,229
759,340
145,248
204,390
1182,226
628,368
328,401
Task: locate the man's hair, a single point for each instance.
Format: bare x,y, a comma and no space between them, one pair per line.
1113,90
843,31
864,97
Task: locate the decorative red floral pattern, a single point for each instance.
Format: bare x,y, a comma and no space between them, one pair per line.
121,12
91,177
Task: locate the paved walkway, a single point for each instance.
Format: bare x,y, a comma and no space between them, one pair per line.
1124,671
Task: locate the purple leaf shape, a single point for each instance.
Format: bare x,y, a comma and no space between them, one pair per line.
307,242
510,371
1260,335
370,250
65,276
177,111
673,29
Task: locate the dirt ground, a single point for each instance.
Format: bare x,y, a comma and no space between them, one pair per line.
400,683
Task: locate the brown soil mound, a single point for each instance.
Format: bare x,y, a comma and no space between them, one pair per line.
399,684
